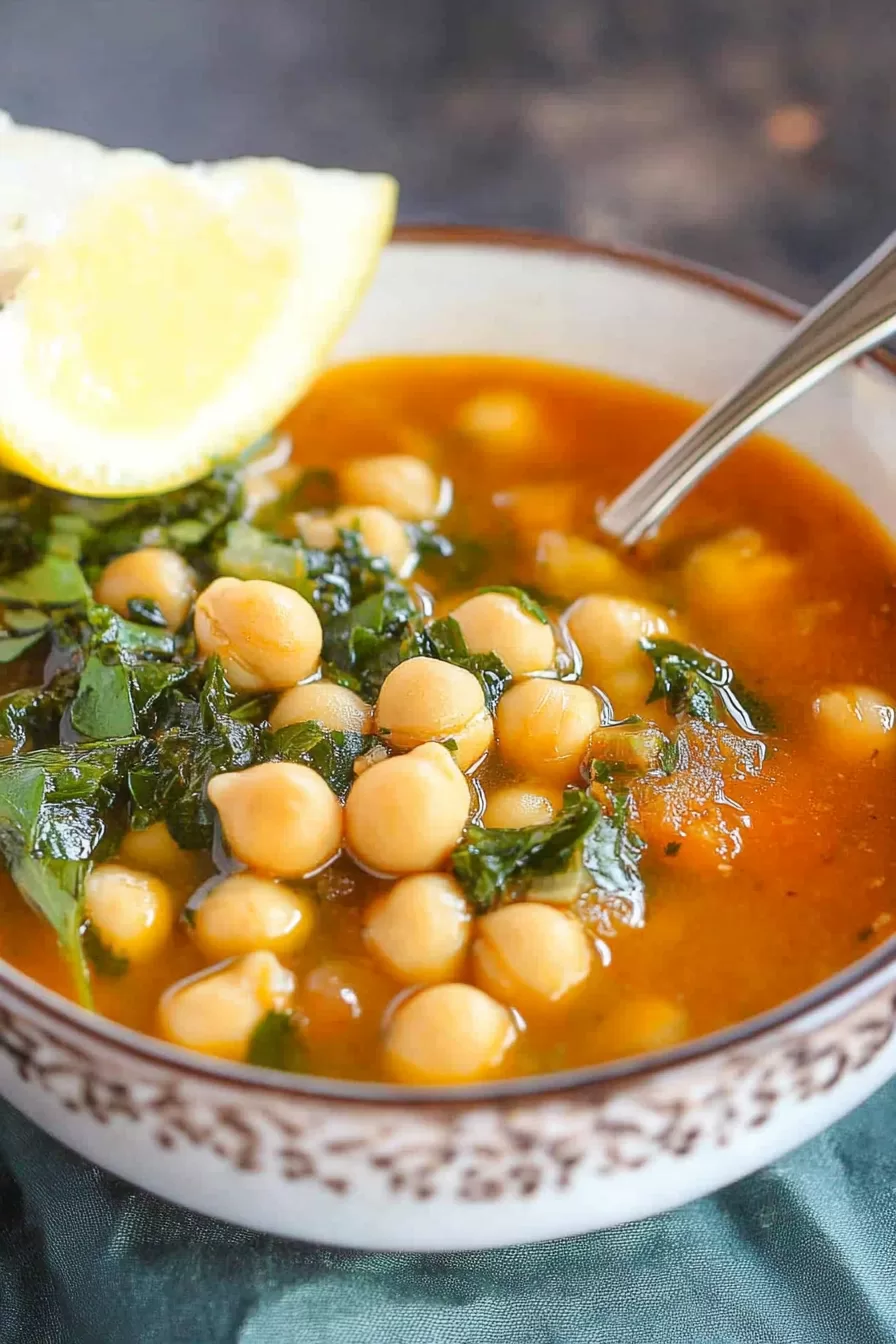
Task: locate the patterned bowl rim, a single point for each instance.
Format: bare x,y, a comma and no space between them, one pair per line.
265,1082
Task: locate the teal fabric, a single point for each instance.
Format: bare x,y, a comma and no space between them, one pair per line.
803,1253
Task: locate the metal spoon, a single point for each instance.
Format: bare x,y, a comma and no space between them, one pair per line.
858,315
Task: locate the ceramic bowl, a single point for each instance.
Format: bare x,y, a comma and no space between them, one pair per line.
381,1167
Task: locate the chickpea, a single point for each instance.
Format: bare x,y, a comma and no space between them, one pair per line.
530,955
533,510
406,814
380,531
568,566
518,805
856,723
159,575
544,728
420,929
245,913
736,574
131,912
426,700
503,423
496,623
154,850
334,707
637,1026
448,1034
608,632
404,485
317,530
217,1011
267,636
279,818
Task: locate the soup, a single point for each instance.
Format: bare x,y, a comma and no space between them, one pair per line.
369,757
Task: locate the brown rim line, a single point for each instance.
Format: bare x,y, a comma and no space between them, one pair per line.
265,1081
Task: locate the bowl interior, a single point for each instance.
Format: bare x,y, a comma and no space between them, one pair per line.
599,311
637,316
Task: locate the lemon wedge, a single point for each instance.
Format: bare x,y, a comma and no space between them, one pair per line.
158,318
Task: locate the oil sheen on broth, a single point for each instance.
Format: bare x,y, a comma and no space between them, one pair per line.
768,842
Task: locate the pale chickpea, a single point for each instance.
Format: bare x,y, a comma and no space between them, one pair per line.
245,913
568,566
159,575
217,1011
530,955
856,723
335,708
406,486
544,728
316,529
496,623
518,805
279,818
419,930
736,574
447,1034
266,635
154,850
608,633
131,912
502,423
639,1025
380,531
427,700
406,814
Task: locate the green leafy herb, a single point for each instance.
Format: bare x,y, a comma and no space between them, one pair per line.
103,706
58,813
444,639
612,852
491,863
102,958
332,753
13,646
372,638
195,739
274,1044
527,603
249,553
695,682
146,612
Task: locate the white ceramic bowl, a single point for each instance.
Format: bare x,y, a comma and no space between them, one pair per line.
380,1167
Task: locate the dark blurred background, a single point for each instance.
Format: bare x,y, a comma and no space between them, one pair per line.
758,135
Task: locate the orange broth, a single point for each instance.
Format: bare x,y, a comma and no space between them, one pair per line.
726,935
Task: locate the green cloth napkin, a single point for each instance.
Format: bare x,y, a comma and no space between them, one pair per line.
803,1253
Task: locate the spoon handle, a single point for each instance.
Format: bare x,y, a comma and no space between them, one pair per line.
858,315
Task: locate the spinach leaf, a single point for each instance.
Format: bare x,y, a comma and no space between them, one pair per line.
183,520
492,861
695,682
332,753
146,612
444,639
274,1044
13,646
57,810
527,603
249,553
55,581
195,740
102,958
612,852
34,713
372,637
103,706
